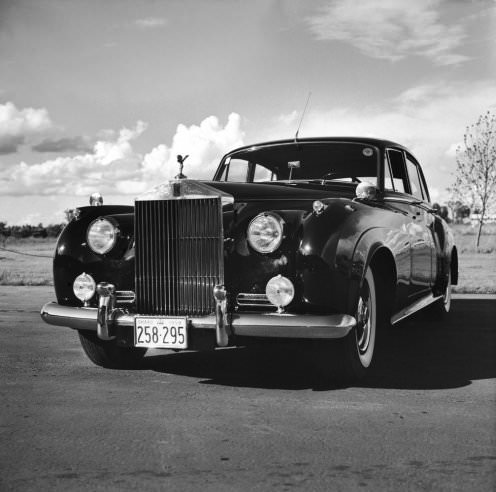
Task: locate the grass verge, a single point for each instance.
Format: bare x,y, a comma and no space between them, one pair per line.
477,269
21,269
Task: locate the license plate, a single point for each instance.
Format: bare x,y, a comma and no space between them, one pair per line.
160,332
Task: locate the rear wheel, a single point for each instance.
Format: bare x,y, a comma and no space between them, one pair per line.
442,306
352,357
107,354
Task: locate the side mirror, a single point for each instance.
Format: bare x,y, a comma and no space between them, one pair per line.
366,190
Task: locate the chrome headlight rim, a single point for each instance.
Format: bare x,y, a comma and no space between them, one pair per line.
279,225
101,221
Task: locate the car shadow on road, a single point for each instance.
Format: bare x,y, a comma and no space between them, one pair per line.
417,353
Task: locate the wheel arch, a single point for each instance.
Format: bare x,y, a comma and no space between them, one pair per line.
372,251
383,268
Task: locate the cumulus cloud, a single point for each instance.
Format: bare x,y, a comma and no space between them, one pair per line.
80,174
64,144
205,144
108,152
391,29
114,167
18,126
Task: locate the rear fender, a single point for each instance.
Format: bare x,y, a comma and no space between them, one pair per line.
447,255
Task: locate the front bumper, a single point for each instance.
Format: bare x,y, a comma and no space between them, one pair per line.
285,325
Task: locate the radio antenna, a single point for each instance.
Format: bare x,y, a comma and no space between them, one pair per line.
302,116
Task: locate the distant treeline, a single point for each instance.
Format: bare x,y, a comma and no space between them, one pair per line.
51,230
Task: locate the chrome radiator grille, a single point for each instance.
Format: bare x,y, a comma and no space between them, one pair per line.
179,255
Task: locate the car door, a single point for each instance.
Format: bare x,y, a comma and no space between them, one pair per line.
408,200
423,247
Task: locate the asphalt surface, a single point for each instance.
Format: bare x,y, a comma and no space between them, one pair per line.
240,419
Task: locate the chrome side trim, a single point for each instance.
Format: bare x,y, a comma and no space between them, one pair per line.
249,299
271,325
413,308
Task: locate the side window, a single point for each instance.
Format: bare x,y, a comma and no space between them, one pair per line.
423,185
397,163
262,174
415,185
243,171
388,179
236,170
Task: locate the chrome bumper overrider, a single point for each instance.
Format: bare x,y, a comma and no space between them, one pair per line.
243,324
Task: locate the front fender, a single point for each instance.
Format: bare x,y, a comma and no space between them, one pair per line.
337,248
73,256
395,262
324,280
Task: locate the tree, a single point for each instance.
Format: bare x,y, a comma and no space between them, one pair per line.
459,211
476,168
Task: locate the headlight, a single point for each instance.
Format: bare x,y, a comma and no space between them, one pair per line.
84,287
101,236
265,232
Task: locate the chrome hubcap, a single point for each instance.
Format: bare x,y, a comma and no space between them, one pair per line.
363,329
447,293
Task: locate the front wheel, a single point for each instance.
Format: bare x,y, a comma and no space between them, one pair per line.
107,354
351,358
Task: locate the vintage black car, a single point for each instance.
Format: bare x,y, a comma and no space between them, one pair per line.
324,241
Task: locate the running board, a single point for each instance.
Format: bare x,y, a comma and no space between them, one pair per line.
413,308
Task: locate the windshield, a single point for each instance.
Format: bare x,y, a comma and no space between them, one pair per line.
311,162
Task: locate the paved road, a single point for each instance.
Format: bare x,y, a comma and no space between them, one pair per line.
242,420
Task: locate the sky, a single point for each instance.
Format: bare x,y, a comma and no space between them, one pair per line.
102,96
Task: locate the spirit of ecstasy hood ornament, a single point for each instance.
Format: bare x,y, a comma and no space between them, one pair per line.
181,160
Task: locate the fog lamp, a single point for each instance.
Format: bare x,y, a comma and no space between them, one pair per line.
84,287
279,291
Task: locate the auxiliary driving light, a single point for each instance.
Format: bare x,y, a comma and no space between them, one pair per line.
84,287
279,291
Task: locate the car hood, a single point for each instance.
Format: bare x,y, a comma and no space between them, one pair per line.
245,192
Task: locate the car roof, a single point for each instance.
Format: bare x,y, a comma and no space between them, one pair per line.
377,142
